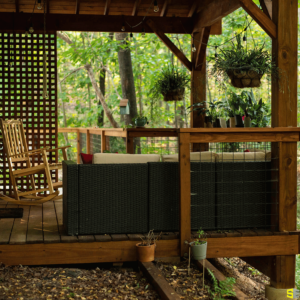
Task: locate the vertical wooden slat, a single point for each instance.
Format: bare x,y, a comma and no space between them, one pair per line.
129,143
88,142
103,141
185,191
284,114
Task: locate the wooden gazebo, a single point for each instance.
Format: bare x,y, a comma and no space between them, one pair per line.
274,252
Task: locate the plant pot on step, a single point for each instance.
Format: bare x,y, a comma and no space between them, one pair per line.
247,122
217,124
145,253
209,125
239,121
232,122
244,79
199,251
223,123
228,123
175,95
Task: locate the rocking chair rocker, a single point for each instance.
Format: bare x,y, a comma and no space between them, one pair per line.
16,149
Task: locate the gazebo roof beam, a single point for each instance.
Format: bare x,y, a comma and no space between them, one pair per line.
260,17
96,23
106,7
213,12
265,8
193,8
17,5
136,7
164,9
172,47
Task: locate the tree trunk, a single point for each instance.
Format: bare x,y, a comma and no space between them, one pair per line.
100,121
126,74
99,94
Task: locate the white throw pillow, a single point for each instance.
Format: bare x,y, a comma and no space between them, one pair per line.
115,158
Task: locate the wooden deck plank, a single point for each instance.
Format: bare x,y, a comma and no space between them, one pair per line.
169,236
215,234
35,225
233,233
86,238
50,226
247,232
119,237
156,278
135,237
64,238
19,232
103,238
6,226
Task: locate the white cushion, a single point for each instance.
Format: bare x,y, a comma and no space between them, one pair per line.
205,156
115,158
240,156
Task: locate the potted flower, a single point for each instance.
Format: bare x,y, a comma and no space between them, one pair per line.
245,67
171,83
146,249
199,247
140,121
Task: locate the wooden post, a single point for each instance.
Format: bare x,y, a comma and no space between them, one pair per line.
78,146
185,191
198,91
129,144
88,142
103,141
284,114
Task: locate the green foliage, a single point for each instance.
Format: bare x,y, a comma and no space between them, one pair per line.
201,237
170,78
298,271
221,289
241,59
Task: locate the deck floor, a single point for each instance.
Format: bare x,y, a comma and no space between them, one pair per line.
43,224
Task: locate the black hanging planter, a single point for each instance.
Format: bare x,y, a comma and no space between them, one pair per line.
217,123
238,121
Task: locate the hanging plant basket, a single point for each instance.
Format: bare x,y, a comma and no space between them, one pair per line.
175,95
245,79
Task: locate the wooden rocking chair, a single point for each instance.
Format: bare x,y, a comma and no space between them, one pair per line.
16,149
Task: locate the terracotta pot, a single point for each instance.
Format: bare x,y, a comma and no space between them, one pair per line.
232,122
145,253
176,95
243,79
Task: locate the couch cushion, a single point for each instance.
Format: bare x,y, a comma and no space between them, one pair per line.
113,158
205,156
240,156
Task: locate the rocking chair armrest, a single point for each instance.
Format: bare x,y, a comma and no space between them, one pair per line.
58,148
31,152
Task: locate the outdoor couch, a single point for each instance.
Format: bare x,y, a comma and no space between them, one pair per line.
125,193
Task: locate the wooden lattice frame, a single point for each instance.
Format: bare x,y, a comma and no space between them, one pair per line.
21,97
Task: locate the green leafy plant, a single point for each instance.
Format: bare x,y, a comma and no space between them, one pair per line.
210,109
241,59
201,237
170,79
221,289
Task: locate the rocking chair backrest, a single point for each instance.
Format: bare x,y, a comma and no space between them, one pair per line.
14,140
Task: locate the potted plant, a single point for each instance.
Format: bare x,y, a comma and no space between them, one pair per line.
236,104
199,247
140,121
171,83
245,67
146,248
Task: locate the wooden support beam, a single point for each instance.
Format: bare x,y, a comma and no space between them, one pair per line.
78,147
260,17
17,6
214,12
136,7
106,7
88,142
239,295
156,278
265,8
96,23
185,192
164,9
201,51
103,141
193,8
77,7
170,45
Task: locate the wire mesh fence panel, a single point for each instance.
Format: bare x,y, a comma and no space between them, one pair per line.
95,146
68,139
115,144
298,186
156,145
83,146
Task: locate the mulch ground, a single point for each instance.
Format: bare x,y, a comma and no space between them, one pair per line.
24,283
